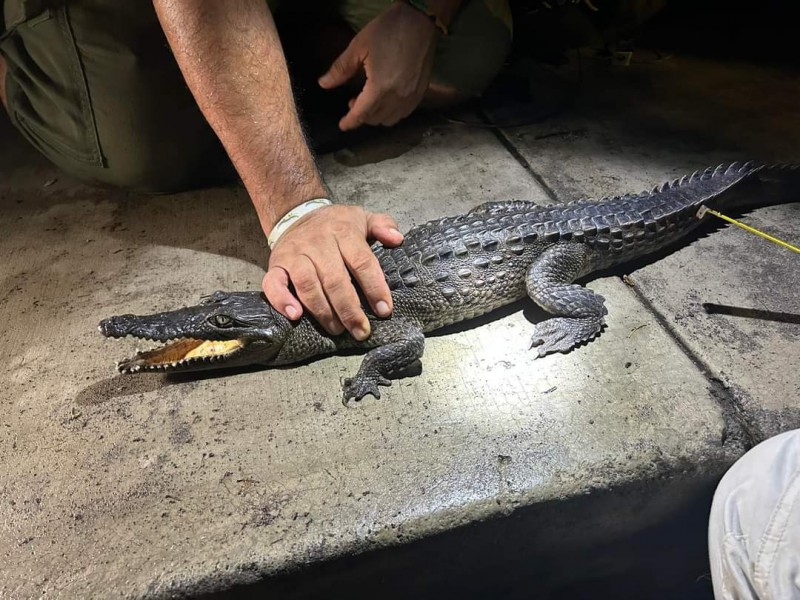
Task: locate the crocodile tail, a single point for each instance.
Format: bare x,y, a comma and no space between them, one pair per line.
780,184
755,185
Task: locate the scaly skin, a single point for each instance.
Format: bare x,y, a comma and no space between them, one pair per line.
457,268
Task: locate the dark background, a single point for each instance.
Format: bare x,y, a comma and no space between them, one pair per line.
762,31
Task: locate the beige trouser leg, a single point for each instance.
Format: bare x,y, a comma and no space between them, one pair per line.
754,530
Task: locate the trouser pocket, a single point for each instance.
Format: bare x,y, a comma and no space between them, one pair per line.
48,98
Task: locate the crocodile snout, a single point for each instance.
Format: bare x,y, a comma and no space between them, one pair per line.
118,326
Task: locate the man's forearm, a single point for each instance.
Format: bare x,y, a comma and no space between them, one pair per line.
232,60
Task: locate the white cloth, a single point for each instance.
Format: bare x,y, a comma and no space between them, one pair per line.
754,529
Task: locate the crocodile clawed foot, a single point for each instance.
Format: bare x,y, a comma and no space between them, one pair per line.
358,387
562,334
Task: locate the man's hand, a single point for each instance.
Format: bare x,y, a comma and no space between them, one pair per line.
318,255
231,57
396,51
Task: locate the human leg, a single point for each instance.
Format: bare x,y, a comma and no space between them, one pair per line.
754,529
94,87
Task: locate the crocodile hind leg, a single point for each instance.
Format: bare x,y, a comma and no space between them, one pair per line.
578,311
400,344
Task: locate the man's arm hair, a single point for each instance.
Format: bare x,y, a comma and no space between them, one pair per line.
231,57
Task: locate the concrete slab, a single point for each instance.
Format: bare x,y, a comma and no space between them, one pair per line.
638,126
155,486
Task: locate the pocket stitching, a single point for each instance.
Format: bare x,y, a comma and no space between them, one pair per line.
41,136
79,74
84,148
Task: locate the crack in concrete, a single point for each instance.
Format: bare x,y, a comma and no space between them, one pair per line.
740,432
512,150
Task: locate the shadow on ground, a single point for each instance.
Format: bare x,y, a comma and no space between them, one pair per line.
521,557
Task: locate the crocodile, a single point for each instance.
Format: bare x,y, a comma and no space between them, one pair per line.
457,268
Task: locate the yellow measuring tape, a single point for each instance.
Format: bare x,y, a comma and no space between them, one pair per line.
704,209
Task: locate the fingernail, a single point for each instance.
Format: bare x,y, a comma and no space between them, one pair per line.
291,311
382,308
360,333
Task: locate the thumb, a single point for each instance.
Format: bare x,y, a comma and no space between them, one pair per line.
342,69
383,228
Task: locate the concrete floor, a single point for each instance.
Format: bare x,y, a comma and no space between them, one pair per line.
478,476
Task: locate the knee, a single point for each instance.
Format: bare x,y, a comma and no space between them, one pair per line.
141,171
145,158
758,478
458,78
104,100
156,164
156,147
470,57
756,501
440,95
128,149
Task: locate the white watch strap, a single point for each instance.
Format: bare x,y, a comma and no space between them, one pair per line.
292,216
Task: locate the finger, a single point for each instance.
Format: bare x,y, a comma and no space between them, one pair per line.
391,120
343,68
390,110
367,271
344,299
362,107
379,111
383,228
394,117
276,288
383,113
309,290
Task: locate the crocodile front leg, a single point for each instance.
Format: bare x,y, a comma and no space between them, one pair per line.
401,344
579,310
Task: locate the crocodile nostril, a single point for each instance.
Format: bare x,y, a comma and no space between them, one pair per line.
116,326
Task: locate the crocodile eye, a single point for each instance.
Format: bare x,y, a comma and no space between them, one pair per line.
222,321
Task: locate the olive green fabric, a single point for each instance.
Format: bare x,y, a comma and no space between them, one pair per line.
93,85
470,55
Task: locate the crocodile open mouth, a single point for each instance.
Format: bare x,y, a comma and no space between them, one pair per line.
181,353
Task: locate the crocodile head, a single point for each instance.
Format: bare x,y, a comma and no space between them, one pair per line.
224,330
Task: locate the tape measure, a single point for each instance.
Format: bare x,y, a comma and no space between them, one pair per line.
701,212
